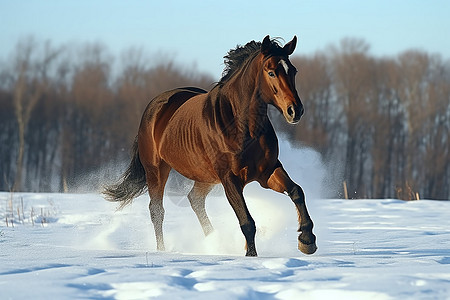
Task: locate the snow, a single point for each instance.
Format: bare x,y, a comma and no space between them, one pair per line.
74,246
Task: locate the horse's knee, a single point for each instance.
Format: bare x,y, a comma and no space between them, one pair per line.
193,199
297,195
198,194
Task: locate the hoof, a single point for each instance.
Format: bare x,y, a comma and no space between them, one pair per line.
251,250
251,254
307,248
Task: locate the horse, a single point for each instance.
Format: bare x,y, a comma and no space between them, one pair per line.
223,136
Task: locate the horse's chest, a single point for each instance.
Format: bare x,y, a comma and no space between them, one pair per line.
255,158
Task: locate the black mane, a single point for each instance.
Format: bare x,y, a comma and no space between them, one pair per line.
236,58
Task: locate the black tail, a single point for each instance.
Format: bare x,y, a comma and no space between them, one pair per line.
132,183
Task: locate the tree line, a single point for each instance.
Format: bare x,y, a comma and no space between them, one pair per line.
383,124
68,115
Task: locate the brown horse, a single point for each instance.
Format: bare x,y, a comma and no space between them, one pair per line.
222,136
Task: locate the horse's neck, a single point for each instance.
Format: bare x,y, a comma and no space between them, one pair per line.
257,116
249,110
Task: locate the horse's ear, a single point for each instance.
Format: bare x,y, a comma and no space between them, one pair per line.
290,47
265,46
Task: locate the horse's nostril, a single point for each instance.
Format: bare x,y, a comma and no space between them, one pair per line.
291,111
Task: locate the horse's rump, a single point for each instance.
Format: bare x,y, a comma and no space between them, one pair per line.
156,118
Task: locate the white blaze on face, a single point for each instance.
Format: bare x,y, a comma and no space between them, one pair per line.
285,66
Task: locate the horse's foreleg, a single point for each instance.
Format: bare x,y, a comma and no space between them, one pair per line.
197,198
279,181
156,180
233,190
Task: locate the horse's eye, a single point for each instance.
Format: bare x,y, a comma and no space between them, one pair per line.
271,74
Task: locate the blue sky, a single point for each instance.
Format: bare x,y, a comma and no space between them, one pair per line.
199,33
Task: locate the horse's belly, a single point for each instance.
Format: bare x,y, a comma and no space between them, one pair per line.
187,156
190,166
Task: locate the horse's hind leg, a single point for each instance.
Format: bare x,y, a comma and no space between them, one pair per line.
156,180
197,197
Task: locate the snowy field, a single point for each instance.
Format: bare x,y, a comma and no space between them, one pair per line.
76,246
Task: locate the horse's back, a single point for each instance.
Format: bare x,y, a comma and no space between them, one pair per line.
168,102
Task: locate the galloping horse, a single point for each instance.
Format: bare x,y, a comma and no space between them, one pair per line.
221,136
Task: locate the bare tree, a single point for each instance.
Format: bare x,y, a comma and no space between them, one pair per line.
382,124
352,70
30,85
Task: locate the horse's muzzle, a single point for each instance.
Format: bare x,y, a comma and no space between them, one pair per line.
293,113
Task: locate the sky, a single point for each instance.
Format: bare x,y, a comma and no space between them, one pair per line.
197,34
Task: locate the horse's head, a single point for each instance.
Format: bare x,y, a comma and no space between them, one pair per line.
278,79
